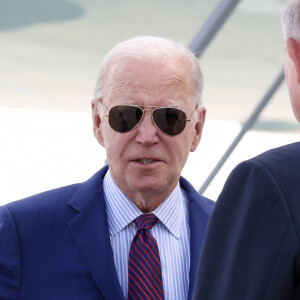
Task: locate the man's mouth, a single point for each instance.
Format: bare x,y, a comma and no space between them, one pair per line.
146,161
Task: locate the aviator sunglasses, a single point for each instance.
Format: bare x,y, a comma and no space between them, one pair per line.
170,120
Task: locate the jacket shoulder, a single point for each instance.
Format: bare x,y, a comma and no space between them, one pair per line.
45,201
282,156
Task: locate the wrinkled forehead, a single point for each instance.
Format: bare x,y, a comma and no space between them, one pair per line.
151,73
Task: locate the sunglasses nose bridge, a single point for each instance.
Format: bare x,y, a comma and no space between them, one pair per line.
146,124
147,116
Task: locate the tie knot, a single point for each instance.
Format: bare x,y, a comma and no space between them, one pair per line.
145,221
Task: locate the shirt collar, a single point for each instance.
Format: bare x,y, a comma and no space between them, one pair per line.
171,211
121,211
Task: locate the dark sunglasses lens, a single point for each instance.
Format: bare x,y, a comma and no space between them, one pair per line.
123,118
169,120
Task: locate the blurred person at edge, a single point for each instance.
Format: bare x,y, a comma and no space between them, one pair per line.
74,242
252,247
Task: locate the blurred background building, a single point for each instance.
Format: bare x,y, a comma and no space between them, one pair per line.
51,52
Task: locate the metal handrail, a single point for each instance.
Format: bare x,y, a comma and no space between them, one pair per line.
211,26
246,126
198,44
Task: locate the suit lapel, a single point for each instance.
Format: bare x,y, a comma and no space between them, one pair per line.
199,212
89,229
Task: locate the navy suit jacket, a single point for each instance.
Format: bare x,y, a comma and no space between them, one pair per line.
56,245
252,249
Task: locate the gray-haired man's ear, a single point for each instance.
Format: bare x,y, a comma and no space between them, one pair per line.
97,123
293,50
198,128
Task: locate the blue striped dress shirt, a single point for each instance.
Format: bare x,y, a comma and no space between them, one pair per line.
171,232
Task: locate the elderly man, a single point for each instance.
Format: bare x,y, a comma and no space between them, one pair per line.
252,250
135,229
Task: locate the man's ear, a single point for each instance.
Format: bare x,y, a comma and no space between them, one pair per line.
293,50
97,128
198,128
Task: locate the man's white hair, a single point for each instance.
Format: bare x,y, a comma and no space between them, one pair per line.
291,20
147,47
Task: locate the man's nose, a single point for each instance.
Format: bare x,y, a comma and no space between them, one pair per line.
147,130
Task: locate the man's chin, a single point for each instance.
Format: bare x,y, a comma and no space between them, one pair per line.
150,184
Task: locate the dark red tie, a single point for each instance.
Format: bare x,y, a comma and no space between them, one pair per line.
144,270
